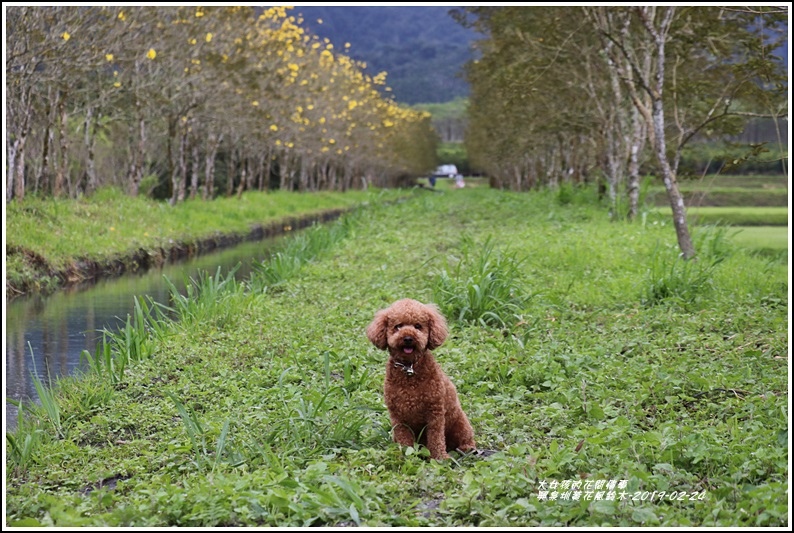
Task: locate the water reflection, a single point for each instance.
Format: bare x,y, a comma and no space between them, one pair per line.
45,335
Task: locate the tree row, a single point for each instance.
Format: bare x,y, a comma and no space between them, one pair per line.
189,101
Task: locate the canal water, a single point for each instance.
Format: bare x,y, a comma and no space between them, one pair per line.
45,335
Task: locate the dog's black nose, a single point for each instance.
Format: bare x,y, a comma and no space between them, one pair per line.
408,341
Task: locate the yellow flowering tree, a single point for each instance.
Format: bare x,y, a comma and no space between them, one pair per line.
171,92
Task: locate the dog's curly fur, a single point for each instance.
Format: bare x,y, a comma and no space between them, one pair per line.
421,399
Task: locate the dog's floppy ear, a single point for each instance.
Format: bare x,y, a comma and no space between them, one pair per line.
376,331
437,326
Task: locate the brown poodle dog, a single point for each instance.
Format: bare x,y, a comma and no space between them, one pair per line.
421,399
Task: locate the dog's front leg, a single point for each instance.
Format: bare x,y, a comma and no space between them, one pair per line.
402,433
436,441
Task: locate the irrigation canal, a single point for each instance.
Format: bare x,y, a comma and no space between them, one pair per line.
45,335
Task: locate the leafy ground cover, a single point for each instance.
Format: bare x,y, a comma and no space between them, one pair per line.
615,384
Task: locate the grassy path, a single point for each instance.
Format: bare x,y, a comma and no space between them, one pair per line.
663,386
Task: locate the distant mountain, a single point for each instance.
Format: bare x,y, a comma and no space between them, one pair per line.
422,49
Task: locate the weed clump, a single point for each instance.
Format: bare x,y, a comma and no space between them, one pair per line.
483,286
676,279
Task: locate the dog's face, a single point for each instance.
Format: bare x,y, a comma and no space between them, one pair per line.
407,328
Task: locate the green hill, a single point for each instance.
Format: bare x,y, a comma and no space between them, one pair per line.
422,49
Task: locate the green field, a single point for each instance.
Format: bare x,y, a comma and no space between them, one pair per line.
732,216
727,191
585,352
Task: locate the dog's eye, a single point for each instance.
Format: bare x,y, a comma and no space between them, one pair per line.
398,326
418,326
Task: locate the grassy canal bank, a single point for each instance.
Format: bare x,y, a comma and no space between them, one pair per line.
616,385
51,243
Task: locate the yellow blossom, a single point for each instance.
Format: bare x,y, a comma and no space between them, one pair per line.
209,37
122,16
109,57
255,103
273,127
151,54
65,36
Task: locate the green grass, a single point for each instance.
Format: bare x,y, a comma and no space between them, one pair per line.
263,405
727,191
725,197
771,237
720,181
111,225
733,216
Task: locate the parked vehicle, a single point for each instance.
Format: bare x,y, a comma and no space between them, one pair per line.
445,171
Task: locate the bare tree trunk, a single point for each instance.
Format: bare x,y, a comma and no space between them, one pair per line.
12,148
44,178
250,174
303,177
286,173
90,130
243,176
135,174
17,168
194,170
213,142
182,184
668,175
347,178
333,178
637,143
15,181
231,169
267,163
62,184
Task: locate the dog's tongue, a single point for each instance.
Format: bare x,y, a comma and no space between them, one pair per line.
408,350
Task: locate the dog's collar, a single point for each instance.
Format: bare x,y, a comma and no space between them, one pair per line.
408,369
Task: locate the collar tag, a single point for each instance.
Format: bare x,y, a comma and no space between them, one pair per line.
408,369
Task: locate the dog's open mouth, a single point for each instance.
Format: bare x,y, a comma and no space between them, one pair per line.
407,349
